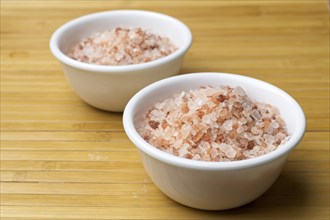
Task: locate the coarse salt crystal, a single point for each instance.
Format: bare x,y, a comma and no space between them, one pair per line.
256,114
197,157
228,125
274,124
239,91
254,130
228,150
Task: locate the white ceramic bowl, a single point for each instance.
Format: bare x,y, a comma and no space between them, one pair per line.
110,87
213,185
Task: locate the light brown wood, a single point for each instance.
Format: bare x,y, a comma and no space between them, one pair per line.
62,159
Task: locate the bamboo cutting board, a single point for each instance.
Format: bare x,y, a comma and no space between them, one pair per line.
62,159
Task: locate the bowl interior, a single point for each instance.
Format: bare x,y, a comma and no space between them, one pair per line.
74,31
258,90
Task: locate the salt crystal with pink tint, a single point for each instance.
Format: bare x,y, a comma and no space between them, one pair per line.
214,124
122,46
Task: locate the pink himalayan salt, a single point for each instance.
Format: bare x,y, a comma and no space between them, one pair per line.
122,46
214,124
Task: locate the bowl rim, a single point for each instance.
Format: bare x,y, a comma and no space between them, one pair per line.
143,146
56,36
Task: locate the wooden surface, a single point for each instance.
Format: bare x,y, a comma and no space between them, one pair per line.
62,159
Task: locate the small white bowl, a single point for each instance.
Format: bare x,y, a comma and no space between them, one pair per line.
110,87
213,185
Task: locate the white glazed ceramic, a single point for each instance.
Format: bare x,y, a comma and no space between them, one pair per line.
110,87
213,185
